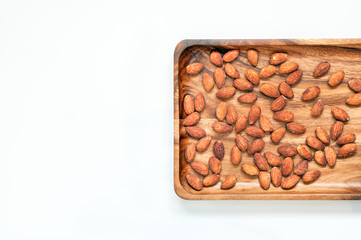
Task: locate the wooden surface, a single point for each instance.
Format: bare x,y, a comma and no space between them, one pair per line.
341,182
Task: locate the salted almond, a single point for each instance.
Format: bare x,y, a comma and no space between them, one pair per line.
347,150
195,182
264,180
250,169
215,165
199,102
192,119
354,100
283,116
194,68
310,93
296,128
285,90
267,71
340,114
231,71
254,114
322,135
278,134
321,69
252,56
278,58
311,176
208,82
221,111
216,58
195,132
346,138
222,127
248,98
276,176
301,167
219,77
330,155
218,150
241,142
230,56
314,143
190,152
200,168
256,146
243,85
288,67
226,92
203,143
241,123
355,85
260,162
290,182
320,158
336,130
287,166
273,159
278,104
266,124
229,182
304,151
252,76
231,115
254,131
211,180
287,151
269,90
236,155
336,78
294,77
188,104
317,108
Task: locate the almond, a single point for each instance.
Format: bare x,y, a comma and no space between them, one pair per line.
311,176
285,90
218,150
260,162
278,104
287,151
254,132
241,123
355,85
278,134
265,124
236,155
231,115
211,180
310,93
321,69
215,165
231,55
273,159
200,168
221,111
294,77
347,150
229,182
340,114
317,108
330,155
267,71
322,135
254,114
241,142
296,128
252,56
288,67
222,127
290,182
194,68
216,58
346,138
250,169
196,132
336,78
188,104
256,146
248,98
195,182
199,102
336,130
283,116
276,176
278,58
354,100
287,166
203,143
219,77
301,167
208,82
264,180
252,76
304,152
314,143
231,71
192,119
190,152
243,85
269,90
320,158
226,92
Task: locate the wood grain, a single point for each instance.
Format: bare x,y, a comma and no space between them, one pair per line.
341,182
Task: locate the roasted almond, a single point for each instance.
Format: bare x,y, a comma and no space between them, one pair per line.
287,166
241,123
278,134
219,77
317,108
285,90
314,143
188,104
288,67
296,128
196,132
215,165
290,182
221,111
260,162
301,167
256,146
252,76
248,98
283,116
250,169
231,115
304,151
230,55
243,85
203,143
346,138
211,180
236,155
311,176
222,127
216,58
208,82
229,182
347,150
322,135
276,176
200,168
226,92
278,58
321,69
354,100
199,102
267,71
273,159
310,93
252,56
336,78
254,132
265,124
340,114
278,104
264,180
254,114
194,68
218,150
294,77
355,85
336,130
241,142
190,152
192,119
330,155
269,90
195,182
231,71
320,158
287,151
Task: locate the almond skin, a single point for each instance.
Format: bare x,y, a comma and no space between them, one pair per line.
336,130
229,182
317,108
231,115
347,150
218,150
219,77
248,98
256,146
340,114
222,127
346,138
241,123
211,180
254,114
195,182
354,100
250,169
194,68
252,76
286,90
296,128
199,102
200,168
336,78
188,104
311,176
203,143
260,162
236,155
321,69
290,182
254,132
226,92
305,152
221,111
267,71
278,104
230,56
322,135
320,158
265,124
215,165
330,155
278,58
190,152
301,167
314,143
287,166
264,180
216,58
287,151
192,119
243,85
231,71
294,77
269,90
310,93
283,116
288,67
241,142
355,85
252,56
208,82
273,159
278,134
276,176
195,132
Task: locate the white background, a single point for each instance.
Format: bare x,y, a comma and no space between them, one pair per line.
86,120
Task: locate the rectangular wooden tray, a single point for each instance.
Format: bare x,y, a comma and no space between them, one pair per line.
341,182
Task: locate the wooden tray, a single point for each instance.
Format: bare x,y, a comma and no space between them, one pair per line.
341,182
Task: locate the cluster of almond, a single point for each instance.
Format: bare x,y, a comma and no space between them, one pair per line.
269,167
